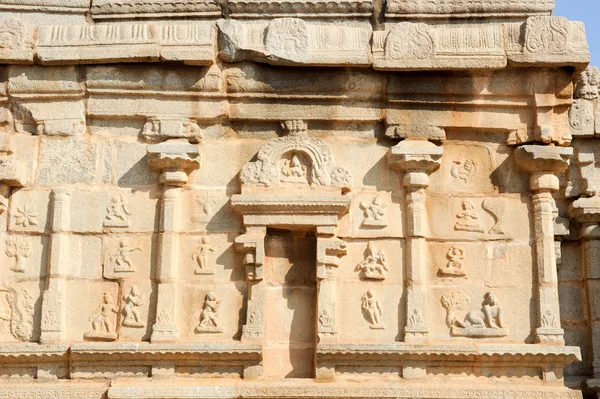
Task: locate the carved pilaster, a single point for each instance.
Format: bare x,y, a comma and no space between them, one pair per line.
544,162
53,325
417,159
174,159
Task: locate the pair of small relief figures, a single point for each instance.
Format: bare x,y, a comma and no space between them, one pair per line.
468,219
117,212
121,257
201,257
374,266
209,322
484,322
454,266
372,310
103,326
374,213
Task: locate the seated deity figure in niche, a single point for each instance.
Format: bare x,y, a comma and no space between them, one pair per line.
454,267
468,219
293,170
372,309
131,313
117,212
374,213
102,320
374,266
201,256
121,258
208,318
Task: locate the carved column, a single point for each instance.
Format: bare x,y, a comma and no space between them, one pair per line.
586,210
174,159
53,325
252,245
544,162
417,159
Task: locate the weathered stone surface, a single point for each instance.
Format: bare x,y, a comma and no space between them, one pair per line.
369,199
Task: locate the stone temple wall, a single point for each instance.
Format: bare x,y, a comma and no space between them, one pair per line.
297,199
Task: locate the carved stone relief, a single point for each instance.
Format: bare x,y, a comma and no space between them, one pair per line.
468,219
20,249
372,310
131,312
374,213
117,212
374,266
201,255
455,264
486,322
103,320
16,312
25,216
121,259
209,322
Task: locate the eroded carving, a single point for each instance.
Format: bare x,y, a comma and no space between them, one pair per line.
454,266
131,313
486,322
468,219
12,36
374,213
18,249
372,311
117,212
103,320
496,208
463,170
209,322
374,266
410,41
16,312
201,256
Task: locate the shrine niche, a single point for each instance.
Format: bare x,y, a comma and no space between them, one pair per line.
298,199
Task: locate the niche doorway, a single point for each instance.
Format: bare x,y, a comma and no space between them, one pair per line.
291,303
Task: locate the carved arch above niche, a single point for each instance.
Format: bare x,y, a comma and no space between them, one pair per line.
296,158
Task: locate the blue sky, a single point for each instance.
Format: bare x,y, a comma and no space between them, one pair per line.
587,11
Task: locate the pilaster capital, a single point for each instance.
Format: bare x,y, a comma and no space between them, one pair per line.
174,159
543,162
417,158
586,210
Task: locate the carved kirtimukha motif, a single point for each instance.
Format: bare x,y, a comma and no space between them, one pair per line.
201,257
468,219
117,212
462,171
25,216
121,258
209,322
131,313
374,213
16,312
374,266
18,249
372,310
454,266
103,320
486,322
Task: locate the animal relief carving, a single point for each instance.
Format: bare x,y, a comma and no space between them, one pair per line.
16,312
131,313
374,266
374,213
454,266
372,311
117,212
103,321
209,322
484,323
201,257
462,171
18,249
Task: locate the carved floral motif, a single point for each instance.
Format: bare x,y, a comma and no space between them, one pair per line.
25,216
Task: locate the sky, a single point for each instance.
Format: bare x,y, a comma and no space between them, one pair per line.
587,11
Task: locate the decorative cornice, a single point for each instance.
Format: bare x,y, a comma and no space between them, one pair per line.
121,9
460,8
299,8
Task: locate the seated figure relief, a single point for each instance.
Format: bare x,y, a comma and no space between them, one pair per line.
374,266
484,322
